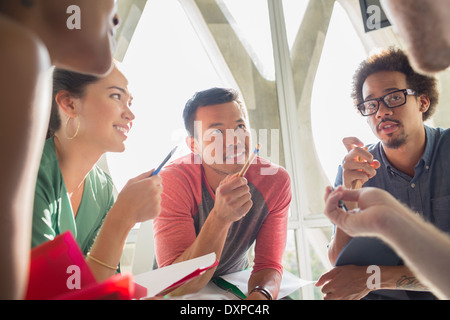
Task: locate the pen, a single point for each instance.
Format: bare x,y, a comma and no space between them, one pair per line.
341,203
357,184
249,161
164,162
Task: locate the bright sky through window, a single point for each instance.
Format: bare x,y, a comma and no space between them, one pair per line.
166,63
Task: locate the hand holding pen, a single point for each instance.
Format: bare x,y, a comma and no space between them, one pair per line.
249,161
156,172
141,196
359,165
140,199
233,198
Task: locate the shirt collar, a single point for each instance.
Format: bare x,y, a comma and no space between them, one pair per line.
429,145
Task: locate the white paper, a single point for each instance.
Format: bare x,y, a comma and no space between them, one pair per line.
157,280
289,282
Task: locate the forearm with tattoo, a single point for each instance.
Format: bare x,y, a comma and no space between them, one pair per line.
410,283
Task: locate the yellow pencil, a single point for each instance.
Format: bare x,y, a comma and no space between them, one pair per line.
249,161
357,184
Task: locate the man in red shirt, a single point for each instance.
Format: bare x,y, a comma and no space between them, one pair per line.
207,207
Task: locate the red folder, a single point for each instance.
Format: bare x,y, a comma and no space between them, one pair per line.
58,271
118,287
162,281
186,279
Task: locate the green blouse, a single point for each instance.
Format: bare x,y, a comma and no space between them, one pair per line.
53,212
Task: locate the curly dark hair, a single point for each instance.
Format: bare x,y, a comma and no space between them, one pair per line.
394,59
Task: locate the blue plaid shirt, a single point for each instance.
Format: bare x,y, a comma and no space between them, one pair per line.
428,192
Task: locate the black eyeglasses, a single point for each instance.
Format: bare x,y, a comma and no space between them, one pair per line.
391,100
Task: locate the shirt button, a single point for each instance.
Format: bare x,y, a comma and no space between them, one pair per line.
413,185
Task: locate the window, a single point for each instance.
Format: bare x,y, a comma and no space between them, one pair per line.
167,62
332,108
250,21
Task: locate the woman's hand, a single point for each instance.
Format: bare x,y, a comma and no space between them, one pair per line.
140,198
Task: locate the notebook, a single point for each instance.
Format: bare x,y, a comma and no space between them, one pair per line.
164,280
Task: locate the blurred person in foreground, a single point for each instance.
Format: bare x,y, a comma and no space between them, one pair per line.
35,36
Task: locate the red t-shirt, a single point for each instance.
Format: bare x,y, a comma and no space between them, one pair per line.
188,199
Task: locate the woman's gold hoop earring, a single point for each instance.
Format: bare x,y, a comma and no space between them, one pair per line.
76,132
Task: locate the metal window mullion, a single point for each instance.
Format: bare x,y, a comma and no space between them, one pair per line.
290,137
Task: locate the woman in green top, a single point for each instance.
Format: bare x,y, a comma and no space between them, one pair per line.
90,116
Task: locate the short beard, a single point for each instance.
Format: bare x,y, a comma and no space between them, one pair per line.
224,169
396,143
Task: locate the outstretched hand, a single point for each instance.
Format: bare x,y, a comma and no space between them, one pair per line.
375,207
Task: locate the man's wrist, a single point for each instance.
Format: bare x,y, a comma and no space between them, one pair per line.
218,220
263,291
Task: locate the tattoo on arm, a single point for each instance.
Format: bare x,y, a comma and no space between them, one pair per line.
410,283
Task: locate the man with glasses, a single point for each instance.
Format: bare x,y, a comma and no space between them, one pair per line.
410,162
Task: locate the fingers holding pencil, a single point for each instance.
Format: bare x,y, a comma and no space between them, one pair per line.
358,166
249,161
